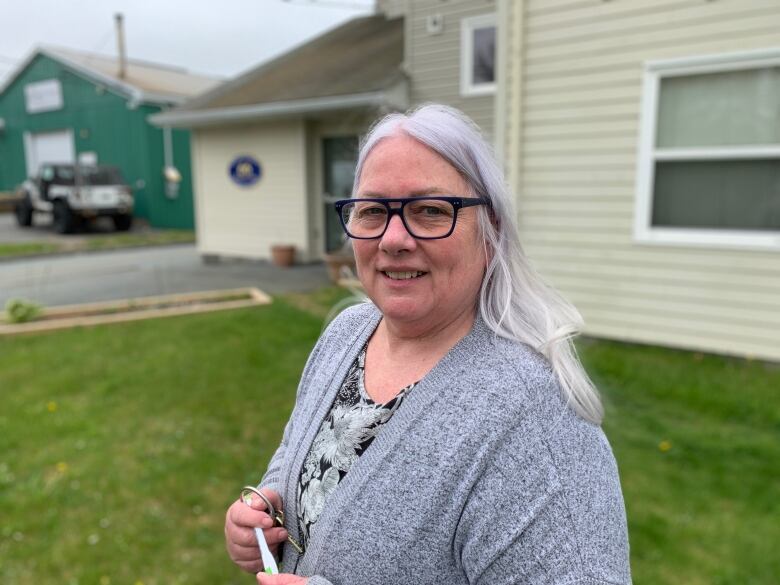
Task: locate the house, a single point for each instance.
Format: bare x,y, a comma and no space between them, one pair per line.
66,106
293,124
643,140
275,147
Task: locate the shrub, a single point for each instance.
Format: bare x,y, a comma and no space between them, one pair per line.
21,310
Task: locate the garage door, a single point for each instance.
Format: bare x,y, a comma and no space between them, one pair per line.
48,147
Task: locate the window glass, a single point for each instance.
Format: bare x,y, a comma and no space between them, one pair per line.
100,175
735,194
484,59
720,109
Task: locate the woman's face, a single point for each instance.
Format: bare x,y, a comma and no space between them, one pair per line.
452,268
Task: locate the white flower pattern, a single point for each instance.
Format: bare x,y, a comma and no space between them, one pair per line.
345,434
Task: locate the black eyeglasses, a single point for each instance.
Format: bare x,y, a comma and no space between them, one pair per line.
425,218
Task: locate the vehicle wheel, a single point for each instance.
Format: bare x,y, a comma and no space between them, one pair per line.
122,223
64,220
24,212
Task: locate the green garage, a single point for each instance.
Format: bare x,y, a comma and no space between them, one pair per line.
61,106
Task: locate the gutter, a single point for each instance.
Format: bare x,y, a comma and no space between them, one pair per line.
396,98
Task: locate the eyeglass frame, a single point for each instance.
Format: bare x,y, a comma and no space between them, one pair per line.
457,203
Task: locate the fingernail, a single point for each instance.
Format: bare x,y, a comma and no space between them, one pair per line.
266,523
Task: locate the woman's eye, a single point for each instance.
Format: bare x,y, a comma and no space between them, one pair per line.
372,211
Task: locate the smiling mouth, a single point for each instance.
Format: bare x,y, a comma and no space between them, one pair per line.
404,275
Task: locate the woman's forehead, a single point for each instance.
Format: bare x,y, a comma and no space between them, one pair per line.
401,163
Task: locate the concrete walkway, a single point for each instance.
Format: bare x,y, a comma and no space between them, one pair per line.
118,274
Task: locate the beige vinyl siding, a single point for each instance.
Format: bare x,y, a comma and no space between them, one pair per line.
574,167
246,221
433,61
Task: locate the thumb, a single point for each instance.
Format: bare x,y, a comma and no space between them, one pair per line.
281,579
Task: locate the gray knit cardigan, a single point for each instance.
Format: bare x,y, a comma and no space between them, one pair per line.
483,475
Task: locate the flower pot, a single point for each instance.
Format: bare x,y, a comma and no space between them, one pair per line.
283,255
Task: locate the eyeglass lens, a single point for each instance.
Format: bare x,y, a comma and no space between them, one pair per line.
424,218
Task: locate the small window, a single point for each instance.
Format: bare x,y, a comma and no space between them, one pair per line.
478,55
709,160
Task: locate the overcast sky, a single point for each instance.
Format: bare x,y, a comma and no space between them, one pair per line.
217,37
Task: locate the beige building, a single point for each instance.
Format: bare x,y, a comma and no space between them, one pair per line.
274,148
643,140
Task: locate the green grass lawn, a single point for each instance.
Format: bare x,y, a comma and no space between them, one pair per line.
122,446
27,248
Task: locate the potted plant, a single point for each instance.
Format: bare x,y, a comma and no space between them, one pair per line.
283,255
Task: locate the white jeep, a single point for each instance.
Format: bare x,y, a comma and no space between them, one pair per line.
74,194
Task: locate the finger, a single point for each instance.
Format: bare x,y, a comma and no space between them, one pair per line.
256,502
250,567
280,579
242,515
244,553
275,535
241,536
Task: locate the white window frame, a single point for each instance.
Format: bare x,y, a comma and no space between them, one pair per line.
467,28
648,155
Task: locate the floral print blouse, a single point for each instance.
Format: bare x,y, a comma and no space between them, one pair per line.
347,431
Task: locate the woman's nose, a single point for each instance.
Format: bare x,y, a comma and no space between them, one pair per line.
396,237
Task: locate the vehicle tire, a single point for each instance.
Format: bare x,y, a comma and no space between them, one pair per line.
24,212
122,223
64,220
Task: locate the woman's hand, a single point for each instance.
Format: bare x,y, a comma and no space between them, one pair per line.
240,538
281,579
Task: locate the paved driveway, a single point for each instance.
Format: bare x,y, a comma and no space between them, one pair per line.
118,274
41,230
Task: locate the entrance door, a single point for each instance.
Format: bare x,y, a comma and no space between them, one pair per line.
339,159
47,148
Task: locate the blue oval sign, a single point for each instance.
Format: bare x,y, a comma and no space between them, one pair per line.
245,171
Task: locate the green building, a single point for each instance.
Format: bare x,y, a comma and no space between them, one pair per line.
64,106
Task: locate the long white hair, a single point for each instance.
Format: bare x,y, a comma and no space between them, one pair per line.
514,301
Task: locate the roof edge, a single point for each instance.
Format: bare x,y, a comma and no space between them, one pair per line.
202,100
135,95
395,97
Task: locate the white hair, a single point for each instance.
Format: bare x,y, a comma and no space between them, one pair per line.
514,301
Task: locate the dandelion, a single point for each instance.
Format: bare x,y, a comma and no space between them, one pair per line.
62,467
105,580
105,522
93,539
664,446
51,406
139,582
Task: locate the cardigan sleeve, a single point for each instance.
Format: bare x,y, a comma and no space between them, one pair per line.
547,510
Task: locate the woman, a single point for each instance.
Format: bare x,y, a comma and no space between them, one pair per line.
444,432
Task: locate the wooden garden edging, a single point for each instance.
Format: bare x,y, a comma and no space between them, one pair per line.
87,315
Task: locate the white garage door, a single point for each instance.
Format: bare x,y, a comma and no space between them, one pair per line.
48,147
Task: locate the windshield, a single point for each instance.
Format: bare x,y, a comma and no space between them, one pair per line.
100,176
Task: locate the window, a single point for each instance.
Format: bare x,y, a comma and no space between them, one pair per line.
709,156
478,55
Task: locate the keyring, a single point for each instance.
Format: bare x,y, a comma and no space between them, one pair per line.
247,493
246,496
